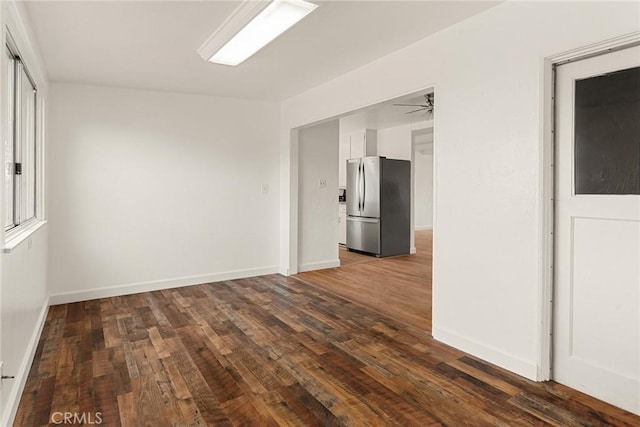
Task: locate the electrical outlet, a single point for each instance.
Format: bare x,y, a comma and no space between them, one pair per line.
265,189
322,183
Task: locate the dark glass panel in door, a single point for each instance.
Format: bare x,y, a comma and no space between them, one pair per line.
607,133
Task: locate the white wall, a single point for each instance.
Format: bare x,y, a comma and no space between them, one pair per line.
23,283
488,74
152,190
423,186
24,307
356,123
395,142
318,214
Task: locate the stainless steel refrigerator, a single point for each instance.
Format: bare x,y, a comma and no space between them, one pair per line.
378,205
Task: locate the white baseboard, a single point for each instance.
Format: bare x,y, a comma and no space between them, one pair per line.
319,265
413,250
23,370
423,227
157,285
490,354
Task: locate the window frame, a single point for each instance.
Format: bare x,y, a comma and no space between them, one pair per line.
20,69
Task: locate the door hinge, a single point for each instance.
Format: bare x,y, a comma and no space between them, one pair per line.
18,169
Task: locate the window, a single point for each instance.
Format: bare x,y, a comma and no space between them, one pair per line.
20,143
607,133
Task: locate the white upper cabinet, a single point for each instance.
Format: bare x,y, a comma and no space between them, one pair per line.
363,143
354,146
358,141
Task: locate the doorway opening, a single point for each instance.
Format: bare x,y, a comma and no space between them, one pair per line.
399,129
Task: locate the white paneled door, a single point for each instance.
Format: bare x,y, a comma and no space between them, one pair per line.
596,342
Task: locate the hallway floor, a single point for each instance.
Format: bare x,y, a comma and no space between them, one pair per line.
398,287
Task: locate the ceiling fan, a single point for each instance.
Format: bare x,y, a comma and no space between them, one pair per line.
427,106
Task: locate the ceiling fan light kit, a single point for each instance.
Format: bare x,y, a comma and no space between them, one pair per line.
253,25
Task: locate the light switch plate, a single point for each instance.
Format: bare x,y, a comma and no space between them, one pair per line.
322,183
264,189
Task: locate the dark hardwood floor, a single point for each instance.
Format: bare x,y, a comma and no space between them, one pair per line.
274,350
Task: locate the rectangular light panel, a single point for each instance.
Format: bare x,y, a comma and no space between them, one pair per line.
274,20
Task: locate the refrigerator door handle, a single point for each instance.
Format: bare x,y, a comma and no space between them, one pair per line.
364,187
357,191
359,187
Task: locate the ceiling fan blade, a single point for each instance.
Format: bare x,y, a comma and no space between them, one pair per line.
415,111
410,105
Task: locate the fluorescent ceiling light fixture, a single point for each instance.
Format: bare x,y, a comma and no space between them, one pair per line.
251,27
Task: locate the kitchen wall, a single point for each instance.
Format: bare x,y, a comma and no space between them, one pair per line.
318,211
152,190
488,74
23,265
395,142
357,122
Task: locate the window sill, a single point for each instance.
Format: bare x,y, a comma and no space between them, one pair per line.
14,240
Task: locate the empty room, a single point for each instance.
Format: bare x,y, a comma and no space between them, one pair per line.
311,212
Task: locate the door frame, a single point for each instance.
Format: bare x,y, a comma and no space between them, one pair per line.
414,134
547,188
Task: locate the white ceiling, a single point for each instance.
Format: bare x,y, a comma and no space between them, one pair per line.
152,44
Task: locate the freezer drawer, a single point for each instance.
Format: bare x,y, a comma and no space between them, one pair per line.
363,234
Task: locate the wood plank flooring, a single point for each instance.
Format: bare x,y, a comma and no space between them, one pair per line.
349,258
269,351
398,287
